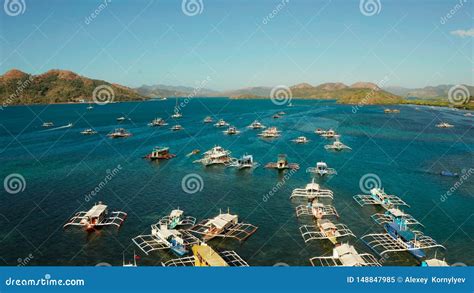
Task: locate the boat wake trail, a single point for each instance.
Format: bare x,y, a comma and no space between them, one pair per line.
57,128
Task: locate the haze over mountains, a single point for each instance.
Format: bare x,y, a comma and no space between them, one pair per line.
63,86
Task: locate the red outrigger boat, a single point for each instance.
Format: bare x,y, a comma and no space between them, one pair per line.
160,153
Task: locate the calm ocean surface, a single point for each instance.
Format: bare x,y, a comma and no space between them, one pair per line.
62,166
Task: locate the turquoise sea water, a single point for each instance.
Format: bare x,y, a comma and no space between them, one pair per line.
61,167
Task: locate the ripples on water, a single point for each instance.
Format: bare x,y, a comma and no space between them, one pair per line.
406,151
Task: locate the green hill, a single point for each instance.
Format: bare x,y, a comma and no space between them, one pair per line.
55,86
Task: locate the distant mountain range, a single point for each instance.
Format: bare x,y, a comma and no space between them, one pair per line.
62,86
428,92
55,86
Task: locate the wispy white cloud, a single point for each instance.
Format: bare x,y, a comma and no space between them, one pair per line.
464,33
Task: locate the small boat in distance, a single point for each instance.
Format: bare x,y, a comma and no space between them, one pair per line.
88,131
193,152
208,119
444,125
90,107
321,169
47,124
300,140
468,114
231,131
391,111
449,174
256,125
329,134
246,161
119,133
319,131
160,153
281,113
157,122
177,127
221,123
121,118
337,146
271,132
282,164
276,116
176,114
216,155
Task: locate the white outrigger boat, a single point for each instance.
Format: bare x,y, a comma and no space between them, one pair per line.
395,214
176,127
345,255
256,125
161,237
337,146
397,238
444,125
224,225
312,191
325,229
88,131
300,140
221,123
282,164
329,134
205,256
119,133
378,196
246,161
216,155
47,124
97,216
121,118
232,130
208,119
271,132
157,122
317,210
321,169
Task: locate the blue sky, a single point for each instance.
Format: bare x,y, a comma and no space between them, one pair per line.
237,44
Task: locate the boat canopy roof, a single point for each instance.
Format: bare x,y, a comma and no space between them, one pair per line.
436,263
348,255
209,256
326,224
222,220
321,164
312,186
96,211
396,212
405,234
176,213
